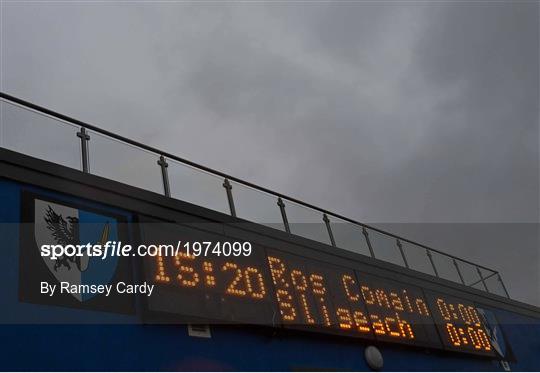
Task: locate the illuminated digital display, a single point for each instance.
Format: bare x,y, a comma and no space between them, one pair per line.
277,288
459,324
235,289
313,295
398,311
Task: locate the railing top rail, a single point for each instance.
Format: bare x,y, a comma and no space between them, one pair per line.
137,144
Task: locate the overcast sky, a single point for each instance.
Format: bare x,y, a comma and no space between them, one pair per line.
395,112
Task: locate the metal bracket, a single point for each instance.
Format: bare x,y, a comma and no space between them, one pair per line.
481,279
162,162
329,229
428,253
458,271
502,284
228,188
199,331
400,247
84,149
283,215
366,235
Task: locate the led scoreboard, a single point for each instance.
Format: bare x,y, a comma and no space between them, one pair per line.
278,288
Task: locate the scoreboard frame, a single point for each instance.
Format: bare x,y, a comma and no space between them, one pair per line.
160,308
54,177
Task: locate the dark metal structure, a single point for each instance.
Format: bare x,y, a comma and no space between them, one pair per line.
326,218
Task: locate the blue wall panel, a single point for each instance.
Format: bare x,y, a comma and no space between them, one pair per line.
163,347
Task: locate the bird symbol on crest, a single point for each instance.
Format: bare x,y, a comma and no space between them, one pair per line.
67,233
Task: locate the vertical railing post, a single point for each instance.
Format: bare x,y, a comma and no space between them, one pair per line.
366,235
281,205
458,271
329,229
482,278
428,253
84,149
162,162
400,247
502,284
228,188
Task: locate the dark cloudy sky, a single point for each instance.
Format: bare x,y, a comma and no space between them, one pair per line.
396,112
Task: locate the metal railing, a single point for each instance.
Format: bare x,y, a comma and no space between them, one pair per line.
42,133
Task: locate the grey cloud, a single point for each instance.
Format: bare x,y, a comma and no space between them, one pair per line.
409,112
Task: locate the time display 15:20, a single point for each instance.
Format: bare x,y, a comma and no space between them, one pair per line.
306,294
